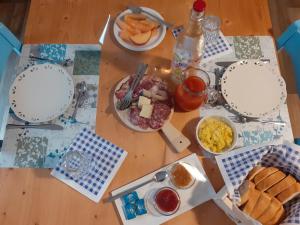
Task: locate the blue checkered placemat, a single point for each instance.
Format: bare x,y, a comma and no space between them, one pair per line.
212,51
107,159
236,165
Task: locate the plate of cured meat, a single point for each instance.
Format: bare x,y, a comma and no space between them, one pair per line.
152,103
151,109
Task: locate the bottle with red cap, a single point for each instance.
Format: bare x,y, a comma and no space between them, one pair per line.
189,48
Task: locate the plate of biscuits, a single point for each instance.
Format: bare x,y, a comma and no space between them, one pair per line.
139,31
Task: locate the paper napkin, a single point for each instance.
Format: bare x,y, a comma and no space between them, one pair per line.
107,159
236,165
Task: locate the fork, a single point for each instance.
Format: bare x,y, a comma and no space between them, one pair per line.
126,101
243,119
136,9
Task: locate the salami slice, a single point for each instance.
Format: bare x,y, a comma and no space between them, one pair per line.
156,124
160,111
136,119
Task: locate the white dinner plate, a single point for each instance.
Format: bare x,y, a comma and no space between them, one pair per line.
41,93
153,42
252,89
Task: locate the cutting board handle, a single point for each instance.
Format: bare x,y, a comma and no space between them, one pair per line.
175,137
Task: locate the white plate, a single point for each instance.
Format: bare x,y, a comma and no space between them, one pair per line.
153,42
124,114
41,93
252,89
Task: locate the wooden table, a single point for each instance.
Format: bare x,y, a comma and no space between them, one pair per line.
31,196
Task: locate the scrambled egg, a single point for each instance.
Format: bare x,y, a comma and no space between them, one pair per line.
215,134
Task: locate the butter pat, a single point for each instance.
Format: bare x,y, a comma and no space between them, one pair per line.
143,101
146,111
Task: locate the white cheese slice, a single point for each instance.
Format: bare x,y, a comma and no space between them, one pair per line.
143,101
146,111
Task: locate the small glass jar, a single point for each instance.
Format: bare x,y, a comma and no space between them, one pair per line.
193,91
166,201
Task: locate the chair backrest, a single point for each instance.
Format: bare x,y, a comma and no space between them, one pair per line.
290,41
10,48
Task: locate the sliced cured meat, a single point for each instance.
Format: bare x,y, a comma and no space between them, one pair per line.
121,92
137,120
156,124
160,111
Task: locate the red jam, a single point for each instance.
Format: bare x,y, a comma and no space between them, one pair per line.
167,200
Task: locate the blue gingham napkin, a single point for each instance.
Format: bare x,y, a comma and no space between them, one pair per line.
107,159
236,165
212,51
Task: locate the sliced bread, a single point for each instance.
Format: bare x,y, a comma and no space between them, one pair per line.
261,205
245,191
271,180
254,172
289,193
253,198
282,185
264,174
277,217
270,212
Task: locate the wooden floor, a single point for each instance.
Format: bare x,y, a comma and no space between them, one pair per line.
13,14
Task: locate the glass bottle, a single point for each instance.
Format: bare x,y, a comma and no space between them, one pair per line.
190,44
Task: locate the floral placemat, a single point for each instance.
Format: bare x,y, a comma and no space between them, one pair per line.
35,148
252,47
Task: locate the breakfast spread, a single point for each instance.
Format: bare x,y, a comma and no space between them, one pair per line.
152,103
265,191
137,28
180,175
215,134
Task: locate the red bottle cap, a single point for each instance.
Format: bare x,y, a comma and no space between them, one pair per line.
199,5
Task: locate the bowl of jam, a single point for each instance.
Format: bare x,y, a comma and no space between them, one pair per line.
166,201
181,175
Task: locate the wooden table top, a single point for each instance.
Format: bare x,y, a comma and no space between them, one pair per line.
31,196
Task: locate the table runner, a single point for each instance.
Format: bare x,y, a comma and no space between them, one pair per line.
35,148
252,47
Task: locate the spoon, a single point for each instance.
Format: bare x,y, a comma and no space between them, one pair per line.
158,177
81,89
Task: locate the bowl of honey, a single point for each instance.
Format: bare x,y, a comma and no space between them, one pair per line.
181,175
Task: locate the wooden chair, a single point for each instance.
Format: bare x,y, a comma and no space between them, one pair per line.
10,48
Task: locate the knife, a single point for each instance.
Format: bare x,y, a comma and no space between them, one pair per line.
47,126
102,36
228,63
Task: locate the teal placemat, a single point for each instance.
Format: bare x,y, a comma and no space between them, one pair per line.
43,148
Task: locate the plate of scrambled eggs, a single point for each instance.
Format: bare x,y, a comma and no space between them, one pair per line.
216,134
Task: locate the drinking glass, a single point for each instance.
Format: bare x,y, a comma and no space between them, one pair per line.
211,29
77,164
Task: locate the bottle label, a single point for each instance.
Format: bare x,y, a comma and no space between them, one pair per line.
181,61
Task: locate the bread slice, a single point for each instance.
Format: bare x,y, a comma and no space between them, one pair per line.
289,193
261,205
264,174
270,181
253,198
277,217
254,172
245,191
270,212
282,185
